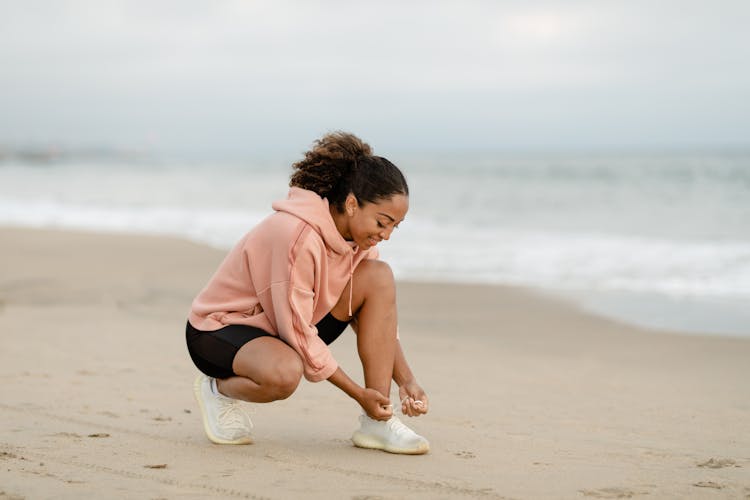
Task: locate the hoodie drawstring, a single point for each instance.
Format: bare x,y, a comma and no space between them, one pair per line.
351,281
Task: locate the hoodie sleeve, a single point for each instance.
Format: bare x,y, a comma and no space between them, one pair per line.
294,302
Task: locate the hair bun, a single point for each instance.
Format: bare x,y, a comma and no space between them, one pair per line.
341,145
340,163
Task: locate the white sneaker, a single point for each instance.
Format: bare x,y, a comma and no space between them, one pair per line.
223,419
391,436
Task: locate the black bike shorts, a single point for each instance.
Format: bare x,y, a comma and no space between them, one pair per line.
213,352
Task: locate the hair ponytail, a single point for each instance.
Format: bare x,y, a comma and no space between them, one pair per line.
341,163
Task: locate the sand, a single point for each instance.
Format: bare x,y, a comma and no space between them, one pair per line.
530,397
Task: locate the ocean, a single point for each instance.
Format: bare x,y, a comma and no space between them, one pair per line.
657,239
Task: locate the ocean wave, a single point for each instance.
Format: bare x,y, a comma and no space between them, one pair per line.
572,261
216,227
423,249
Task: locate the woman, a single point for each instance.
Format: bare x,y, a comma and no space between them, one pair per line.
292,285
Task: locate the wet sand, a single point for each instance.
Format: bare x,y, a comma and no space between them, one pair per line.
530,397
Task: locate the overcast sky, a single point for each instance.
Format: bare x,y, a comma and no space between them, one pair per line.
237,77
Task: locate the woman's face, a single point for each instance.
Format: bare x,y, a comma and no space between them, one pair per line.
370,223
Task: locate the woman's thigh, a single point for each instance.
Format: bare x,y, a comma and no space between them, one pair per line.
268,360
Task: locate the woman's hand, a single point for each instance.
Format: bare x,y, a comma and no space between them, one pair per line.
376,405
414,401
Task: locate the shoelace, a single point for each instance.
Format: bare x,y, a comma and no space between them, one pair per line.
231,415
398,427
400,408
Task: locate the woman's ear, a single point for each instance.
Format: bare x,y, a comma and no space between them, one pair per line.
350,204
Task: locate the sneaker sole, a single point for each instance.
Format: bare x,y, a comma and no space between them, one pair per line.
361,440
206,428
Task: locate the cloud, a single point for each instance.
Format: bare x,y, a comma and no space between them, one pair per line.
193,72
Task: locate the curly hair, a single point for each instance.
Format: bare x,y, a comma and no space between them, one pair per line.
341,163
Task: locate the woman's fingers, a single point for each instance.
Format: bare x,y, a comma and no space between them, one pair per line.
413,407
376,405
384,413
423,404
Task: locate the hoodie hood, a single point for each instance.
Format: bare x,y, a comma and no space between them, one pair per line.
314,210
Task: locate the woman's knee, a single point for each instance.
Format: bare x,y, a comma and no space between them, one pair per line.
271,364
285,378
374,275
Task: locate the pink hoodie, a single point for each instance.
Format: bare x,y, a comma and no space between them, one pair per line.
284,276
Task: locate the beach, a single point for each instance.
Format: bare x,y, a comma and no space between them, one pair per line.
530,396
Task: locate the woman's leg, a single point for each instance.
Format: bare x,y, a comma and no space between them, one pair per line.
375,321
267,370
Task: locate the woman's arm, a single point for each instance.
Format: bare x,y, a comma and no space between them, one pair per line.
401,371
414,401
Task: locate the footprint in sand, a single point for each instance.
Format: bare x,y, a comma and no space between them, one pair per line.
66,435
718,463
708,484
610,493
464,454
10,496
